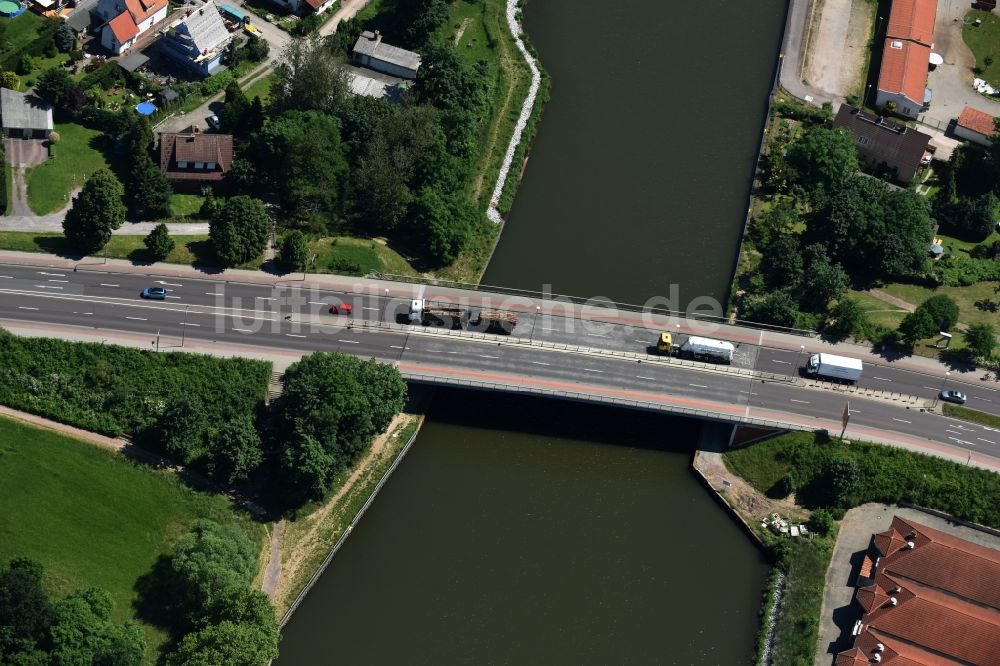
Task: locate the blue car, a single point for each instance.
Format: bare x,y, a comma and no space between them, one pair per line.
156,293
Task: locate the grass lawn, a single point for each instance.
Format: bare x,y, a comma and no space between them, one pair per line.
185,205
356,256
188,249
92,517
73,159
878,311
985,43
41,64
973,415
964,246
20,32
260,88
966,297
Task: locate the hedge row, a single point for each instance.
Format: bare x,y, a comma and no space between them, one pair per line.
116,390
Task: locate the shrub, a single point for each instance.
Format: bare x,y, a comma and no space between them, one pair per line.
821,522
159,243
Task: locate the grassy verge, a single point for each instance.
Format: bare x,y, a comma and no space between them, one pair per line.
307,541
261,87
973,415
194,249
73,159
348,255
796,628
984,41
92,517
185,205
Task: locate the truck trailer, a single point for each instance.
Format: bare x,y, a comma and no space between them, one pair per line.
707,349
830,366
447,314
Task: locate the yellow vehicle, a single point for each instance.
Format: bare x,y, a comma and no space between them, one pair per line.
252,29
665,344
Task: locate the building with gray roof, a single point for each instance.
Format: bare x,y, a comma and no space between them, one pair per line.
24,116
198,41
370,51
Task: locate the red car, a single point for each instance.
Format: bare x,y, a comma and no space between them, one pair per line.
342,309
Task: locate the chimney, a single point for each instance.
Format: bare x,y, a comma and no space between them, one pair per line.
378,39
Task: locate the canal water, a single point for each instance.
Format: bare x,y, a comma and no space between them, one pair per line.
524,531
640,172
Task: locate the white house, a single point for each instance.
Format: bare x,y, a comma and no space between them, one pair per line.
127,20
976,126
370,51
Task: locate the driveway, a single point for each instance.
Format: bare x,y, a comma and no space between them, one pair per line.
839,613
838,46
25,152
952,81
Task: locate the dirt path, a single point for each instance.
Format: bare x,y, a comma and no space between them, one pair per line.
461,29
111,443
348,9
891,300
836,52
750,502
307,544
273,571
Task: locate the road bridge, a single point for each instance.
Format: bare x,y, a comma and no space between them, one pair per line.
558,350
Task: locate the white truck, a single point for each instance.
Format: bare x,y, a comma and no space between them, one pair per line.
831,366
707,349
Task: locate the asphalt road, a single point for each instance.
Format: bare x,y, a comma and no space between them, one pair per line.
247,316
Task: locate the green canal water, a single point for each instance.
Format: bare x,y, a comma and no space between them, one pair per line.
525,531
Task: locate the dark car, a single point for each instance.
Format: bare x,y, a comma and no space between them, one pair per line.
156,293
956,397
342,309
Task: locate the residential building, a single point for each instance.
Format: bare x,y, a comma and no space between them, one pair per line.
884,144
306,6
928,599
976,126
127,20
370,51
24,116
906,56
193,159
198,41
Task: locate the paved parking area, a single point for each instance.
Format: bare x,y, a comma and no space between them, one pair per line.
839,613
838,46
25,152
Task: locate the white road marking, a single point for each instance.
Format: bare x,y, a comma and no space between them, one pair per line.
774,360
313,302
22,307
168,296
487,356
549,328
698,385
110,285
540,363
642,342
55,274
454,352
985,440
367,308
263,298
213,293
350,342
901,420
804,402
961,441
45,286
598,335
169,284
58,280
933,388
435,351
882,379
187,323
243,330
591,370
954,432
293,335
641,377
976,397
9,277
137,318
398,347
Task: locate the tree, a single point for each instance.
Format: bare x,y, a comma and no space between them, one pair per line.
9,79
309,78
821,522
234,451
52,85
65,37
25,612
823,157
420,19
96,212
848,316
943,311
210,206
294,251
234,108
781,264
239,230
822,281
149,190
82,633
207,562
332,407
256,48
180,430
981,339
226,644
917,325
441,225
972,217
840,479
25,65
777,308
159,243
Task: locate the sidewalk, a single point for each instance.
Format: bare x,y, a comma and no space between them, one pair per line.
53,224
739,334
792,56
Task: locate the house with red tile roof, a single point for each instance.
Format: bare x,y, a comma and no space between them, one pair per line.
906,56
193,159
126,20
934,600
976,126
307,6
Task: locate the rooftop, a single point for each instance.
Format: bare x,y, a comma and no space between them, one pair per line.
904,68
123,27
21,111
913,20
206,28
881,137
195,147
977,121
371,44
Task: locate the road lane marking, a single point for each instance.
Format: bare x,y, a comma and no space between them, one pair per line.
804,402
933,388
110,285
263,298
169,296
398,347
58,280
187,323
882,379
698,385
213,293
316,302
549,328
137,318
55,274
902,420
293,335
367,308
169,284
435,351
45,286
487,356
961,441
985,440
243,330
23,307
9,277
774,360
642,342
976,397
598,335
641,377
540,363
954,432
350,342
591,370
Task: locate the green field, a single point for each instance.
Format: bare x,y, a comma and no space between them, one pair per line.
356,256
73,159
985,43
92,517
19,32
191,249
966,297
185,205
260,88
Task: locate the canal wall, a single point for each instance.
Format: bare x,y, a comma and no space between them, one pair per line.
347,532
